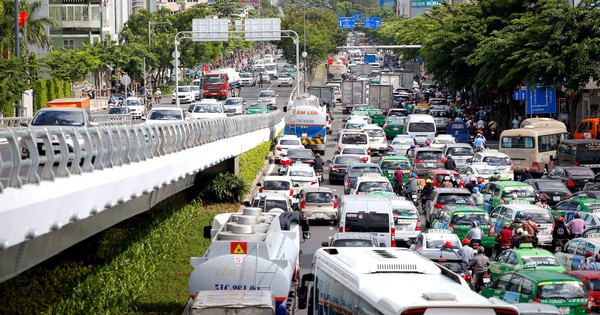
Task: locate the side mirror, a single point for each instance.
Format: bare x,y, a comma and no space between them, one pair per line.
324,244
207,230
247,204
144,118
285,109
24,123
302,297
258,185
306,235
296,185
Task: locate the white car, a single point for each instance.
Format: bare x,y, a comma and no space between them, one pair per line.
282,184
400,145
271,70
259,65
185,94
208,109
161,115
441,140
368,183
356,124
434,239
136,107
498,160
357,150
377,139
284,79
482,170
302,175
269,97
234,106
247,79
286,142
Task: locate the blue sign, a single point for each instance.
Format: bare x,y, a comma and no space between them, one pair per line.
374,22
419,59
541,100
370,58
357,16
339,15
346,22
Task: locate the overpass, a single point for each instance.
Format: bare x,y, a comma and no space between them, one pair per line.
93,178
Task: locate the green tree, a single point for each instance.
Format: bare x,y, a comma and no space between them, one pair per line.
13,82
51,87
71,65
33,32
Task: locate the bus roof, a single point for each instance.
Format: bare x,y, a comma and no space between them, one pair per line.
532,131
543,122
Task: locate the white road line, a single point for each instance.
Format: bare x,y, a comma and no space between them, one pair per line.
271,168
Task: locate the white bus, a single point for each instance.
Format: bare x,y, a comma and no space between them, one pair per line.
361,280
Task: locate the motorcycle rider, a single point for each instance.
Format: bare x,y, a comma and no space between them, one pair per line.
479,264
503,238
157,95
411,186
525,176
447,183
479,142
595,265
318,164
475,234
450,164
560,233
398,180
517,239
531,228
477,196
472,184
466,252
495,177
426,191
576,226
410,150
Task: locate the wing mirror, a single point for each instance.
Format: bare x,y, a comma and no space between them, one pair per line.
246,203
324,244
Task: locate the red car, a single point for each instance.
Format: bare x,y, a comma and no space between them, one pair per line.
437,177
591,281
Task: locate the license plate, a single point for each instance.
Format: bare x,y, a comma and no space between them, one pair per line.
430,164
304,134
395,129
486,280
320,215
556,198
565,310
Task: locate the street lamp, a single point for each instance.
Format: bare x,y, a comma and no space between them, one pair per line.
147,82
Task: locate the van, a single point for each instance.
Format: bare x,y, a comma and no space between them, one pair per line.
587,129
354,137
371,214
582,152
421,127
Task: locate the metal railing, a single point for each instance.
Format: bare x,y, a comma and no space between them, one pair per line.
101,119
29,155
13,122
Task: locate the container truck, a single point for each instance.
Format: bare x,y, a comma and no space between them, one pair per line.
393,79
380,96
306,119
353,92
325,94
222,84
70,102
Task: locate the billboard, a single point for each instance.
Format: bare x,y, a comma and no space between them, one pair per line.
387,4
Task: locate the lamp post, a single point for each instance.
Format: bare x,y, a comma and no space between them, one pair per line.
147,82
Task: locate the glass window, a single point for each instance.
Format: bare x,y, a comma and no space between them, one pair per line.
504,256
460,151
572,246
541,261
276,185
467,218
497,160
520,192
421,127
375,186
395,164
512,259
593,285
429,155
585,126
514,284
455,199
367,222
548,142
352,243
579,171
581,249
354,138
539,217
289,142
518,142
526,287
502,282
346,160
58,118
562,290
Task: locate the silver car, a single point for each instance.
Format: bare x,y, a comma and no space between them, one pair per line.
426,159
352,239
441,117
318,203
461,153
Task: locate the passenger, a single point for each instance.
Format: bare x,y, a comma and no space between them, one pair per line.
543,203
426,191
471,184
586,261
516,224
576,226
466,252
525,176
477,197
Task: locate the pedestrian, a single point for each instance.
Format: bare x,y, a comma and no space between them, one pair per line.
260,80
466,252
450,164
576,226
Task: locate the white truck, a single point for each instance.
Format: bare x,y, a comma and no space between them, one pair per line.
353,92
380,96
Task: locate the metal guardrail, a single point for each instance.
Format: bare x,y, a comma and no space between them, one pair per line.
101,119
81,150
13,122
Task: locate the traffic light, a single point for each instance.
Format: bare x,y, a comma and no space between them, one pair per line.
22,18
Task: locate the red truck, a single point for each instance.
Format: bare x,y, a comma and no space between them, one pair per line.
221,84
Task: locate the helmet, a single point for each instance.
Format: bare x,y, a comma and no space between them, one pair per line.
496,172
520,231
449,156
529,217
480,180
474,179
448,244
412,146
446,177
481,249
466,241
428,181
525,233
577,215
468,173
317,155
560,219
506,224
427,143
413,174
527,170
475,189
474,224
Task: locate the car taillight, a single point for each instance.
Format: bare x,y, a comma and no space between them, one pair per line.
535,164
512,168
303,204
568,196
335,169
348,181
393,237
503,311
570,183
536,300
588,310
415,311
467,278
320,135
341,229
309,162
438,206
335,203
261,189
291,191
278,148
442,161
501,199
418,161
418,226
451,227
313,182
386,127
368,150
364,159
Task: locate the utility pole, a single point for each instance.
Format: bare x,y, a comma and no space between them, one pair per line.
17,50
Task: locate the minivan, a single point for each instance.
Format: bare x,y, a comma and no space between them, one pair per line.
364,213
421,127
355,137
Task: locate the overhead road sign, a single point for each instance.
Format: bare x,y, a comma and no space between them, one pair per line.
541,100
381,47
374,22
210,30
346,22
263,29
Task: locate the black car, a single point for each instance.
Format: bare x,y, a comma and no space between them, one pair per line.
339,165
301,155
574,177
593,194
553,190
447,258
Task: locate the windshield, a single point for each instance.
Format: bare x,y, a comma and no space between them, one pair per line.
364,170
134,102
195,88
300,154
319,197
439,243
183,89
58,118
352,243
562,290
520,192
579,172
346,160
354,138
215,80
266,94
374,133
393,165
360,151
464,218
439,113
542,217
403,213
551,185
117,110
208,109
460,151
497,160
446,199
374,186
246,75
165,115
421,127
289,142
548,261
443,140
271,67
258,106
233,101
429,155
367,222
276,185
485,171
593,285
301,173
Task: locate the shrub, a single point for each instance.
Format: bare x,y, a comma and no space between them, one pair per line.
52,89
60,89
67,89
252,161
40,95
225,188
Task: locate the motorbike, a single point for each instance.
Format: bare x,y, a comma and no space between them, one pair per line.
559,245
414,197
319,175
284,165
112,102
481,282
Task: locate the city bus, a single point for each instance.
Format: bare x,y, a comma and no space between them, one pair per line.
532,147
376,280
543,122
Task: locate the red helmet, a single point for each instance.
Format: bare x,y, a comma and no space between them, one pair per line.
560,219
448,244
466,241
480,180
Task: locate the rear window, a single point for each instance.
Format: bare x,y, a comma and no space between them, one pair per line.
271,204
455,199
518,142
405,213
497,160
364,170
346,160
456,267
374,186
519,192
367,222
464,218
300,154
593,285
548,261
354,138
460,151
439,113
588,154
352,243
439,243
289,142
355,125
394,165
579,172
457,126
551,185
537,217
319,197
373,133
429,155
301,173
421,127
276,185
360,151
562,290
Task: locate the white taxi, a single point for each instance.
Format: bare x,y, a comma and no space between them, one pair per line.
302,175
498,160
573,254
368,183
482,170
441,140
286,142
435,239
406,220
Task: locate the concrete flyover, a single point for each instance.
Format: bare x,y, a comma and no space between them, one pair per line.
49,202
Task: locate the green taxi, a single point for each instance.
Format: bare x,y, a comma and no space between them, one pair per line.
524,258
376,116
501,192
389,165
375,80
257,108
576,204
458,218
394,125
546,287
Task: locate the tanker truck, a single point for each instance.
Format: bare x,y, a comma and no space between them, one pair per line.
249,251
306,119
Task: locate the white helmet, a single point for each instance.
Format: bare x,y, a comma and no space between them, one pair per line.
520,231
446,177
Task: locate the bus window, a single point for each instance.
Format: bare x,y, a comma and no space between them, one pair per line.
518,142
548,143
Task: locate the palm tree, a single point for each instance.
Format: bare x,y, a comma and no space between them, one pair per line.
35,31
